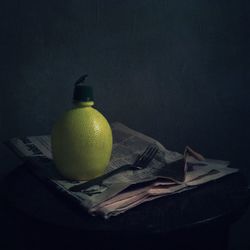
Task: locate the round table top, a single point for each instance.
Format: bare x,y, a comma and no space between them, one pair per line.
203,204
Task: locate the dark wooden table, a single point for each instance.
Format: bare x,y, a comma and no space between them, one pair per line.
34,216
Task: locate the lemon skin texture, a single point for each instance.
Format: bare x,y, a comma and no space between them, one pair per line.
81,143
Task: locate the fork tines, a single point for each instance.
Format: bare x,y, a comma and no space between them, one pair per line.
144,159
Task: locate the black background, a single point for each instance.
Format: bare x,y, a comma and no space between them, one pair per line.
176,70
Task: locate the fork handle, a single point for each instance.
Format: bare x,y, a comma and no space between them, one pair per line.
98,180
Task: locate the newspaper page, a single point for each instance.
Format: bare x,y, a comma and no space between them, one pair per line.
166,174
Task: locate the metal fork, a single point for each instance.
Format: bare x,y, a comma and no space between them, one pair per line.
145,158
141,162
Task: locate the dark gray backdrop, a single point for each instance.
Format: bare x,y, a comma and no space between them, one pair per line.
176,70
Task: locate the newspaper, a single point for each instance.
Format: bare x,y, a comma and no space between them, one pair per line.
168,173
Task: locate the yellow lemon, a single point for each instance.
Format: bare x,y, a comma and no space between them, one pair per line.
81,142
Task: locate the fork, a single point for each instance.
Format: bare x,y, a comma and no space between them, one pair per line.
141,162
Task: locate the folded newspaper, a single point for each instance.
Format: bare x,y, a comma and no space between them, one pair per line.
168,173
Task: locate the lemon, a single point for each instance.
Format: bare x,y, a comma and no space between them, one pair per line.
81,141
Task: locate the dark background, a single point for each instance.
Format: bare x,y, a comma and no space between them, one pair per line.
176,70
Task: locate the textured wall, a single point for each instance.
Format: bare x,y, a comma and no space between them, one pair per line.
176,70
